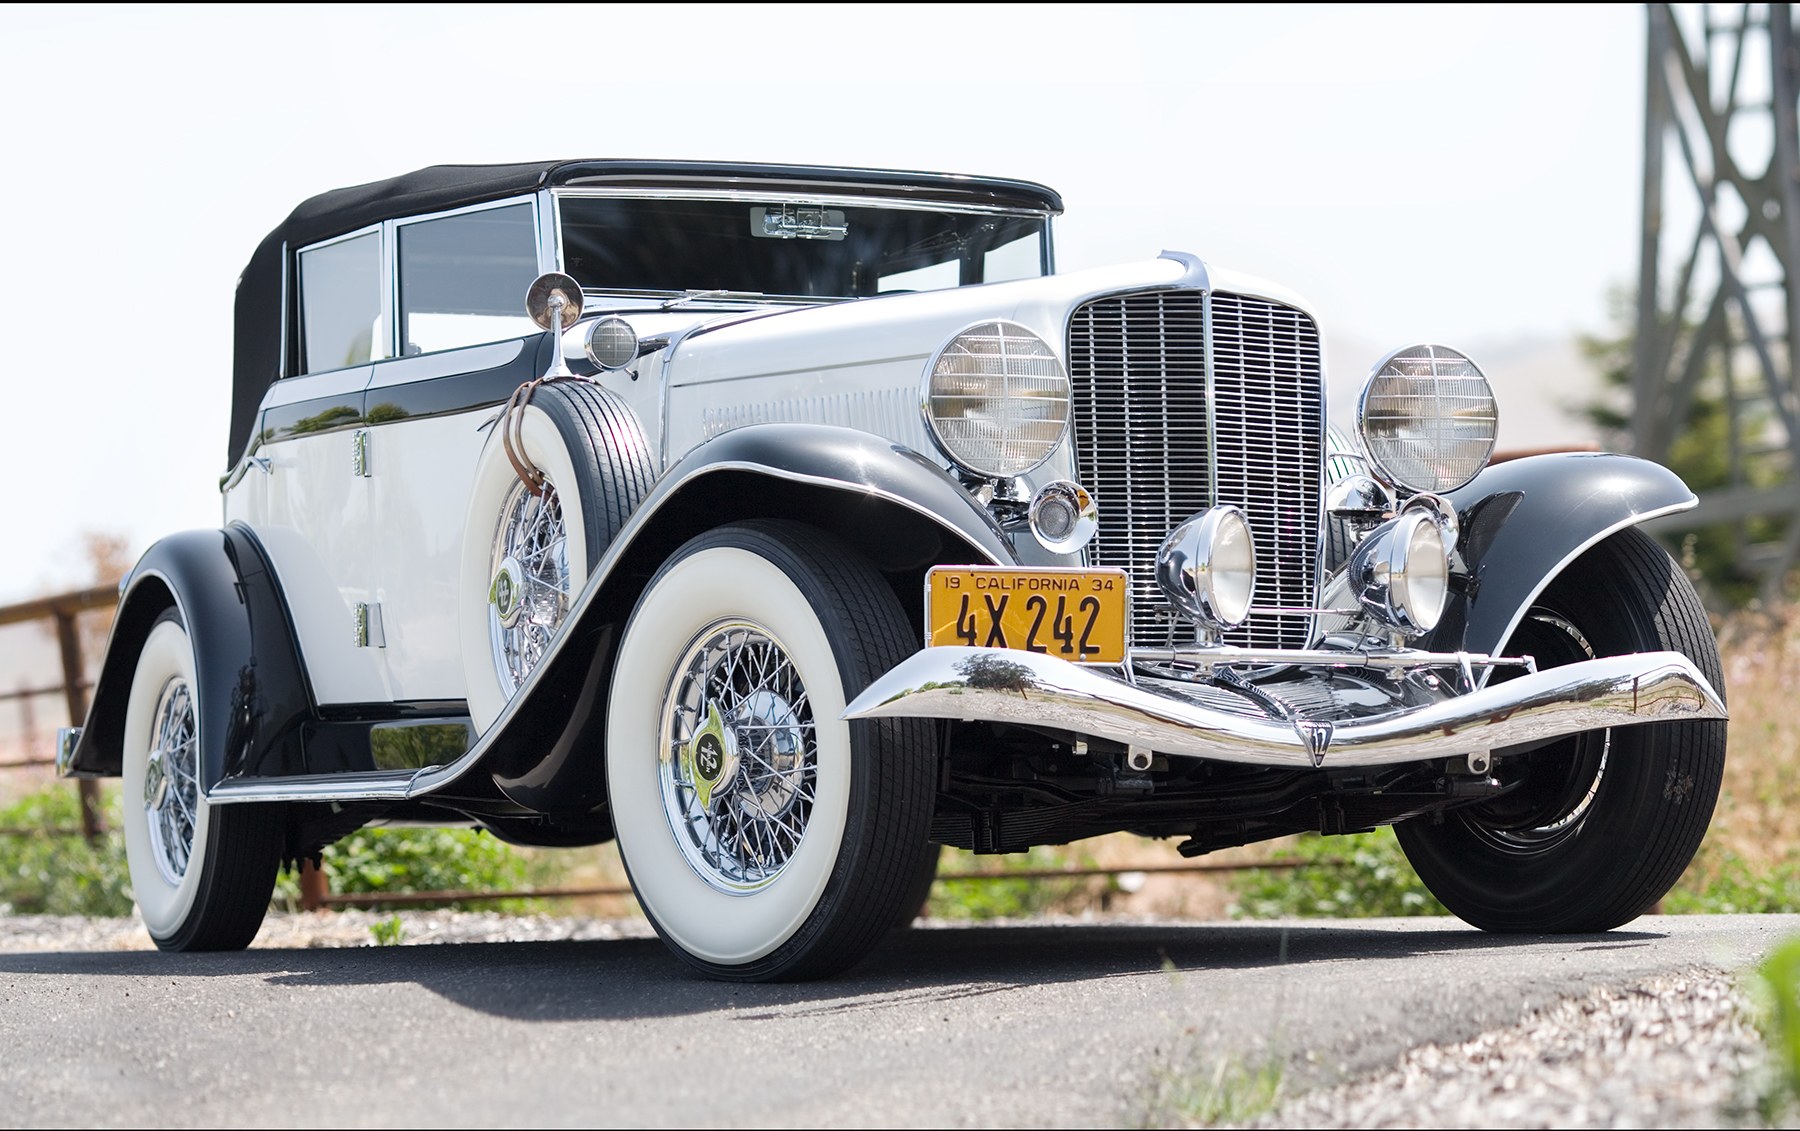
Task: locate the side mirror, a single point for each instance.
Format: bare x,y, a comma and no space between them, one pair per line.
553,301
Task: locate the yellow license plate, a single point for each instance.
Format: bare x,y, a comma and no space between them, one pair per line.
1074,614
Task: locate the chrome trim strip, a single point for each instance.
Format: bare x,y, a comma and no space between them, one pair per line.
373,786
349,380
453,362
283,366
901,204
990,685
1209,368
1593,540
1400,659
378,785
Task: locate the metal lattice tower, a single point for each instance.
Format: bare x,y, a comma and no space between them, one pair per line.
1718,306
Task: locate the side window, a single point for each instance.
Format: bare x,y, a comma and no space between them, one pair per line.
463,278
933,277
340,302
1023,258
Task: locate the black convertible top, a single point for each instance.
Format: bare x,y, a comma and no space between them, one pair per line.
258,319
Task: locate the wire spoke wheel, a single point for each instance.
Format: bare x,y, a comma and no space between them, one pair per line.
766,836
172,781
740,757
530,593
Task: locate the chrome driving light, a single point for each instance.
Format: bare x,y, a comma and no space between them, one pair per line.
1207,567
1427,418
611,343
1401,571
997,400
1063,517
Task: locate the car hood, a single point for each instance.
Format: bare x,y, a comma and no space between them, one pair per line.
909,327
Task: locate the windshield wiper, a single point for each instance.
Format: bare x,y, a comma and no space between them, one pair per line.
693,295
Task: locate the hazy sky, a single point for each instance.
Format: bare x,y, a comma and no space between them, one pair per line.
1467,175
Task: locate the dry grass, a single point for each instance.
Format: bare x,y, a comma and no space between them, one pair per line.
1756,820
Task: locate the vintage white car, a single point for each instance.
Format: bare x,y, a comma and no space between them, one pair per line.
785,523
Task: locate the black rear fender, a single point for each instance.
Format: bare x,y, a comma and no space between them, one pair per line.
253,691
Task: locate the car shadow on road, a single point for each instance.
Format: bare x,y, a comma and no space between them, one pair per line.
622,979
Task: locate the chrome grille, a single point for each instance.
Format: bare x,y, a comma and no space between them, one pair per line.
1138,365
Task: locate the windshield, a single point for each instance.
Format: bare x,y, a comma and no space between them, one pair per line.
792,249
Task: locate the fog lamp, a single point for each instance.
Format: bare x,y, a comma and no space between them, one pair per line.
1401,571
1063,517
1207,567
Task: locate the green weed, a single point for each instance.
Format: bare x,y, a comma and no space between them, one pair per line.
1231,1093
383,861
1010,899
43,873
1777,993
388,932
1724,883
1360,876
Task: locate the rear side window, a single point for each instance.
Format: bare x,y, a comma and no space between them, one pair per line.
463,278
340,299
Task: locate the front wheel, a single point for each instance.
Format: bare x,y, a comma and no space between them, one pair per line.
765,837
202,874
1598,825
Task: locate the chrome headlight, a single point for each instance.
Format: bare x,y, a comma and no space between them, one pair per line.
611,343
1401,571
997,400
1427,419
1207,567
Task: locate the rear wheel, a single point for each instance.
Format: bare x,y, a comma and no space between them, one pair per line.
766,837
1598,825
202,874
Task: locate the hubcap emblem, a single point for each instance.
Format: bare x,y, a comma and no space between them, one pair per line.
711,758
156,782
504,593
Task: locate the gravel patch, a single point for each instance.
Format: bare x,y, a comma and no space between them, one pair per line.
1677,1051
39,933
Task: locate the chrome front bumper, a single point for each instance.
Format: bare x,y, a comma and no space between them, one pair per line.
66,738
1202,721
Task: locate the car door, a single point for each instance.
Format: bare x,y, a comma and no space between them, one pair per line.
312,508
459,297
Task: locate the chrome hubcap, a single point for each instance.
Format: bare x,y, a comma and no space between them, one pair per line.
739,757
529,594
172,781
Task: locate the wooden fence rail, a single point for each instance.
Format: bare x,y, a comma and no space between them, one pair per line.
315,892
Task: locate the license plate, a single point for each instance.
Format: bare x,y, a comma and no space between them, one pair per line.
1073,614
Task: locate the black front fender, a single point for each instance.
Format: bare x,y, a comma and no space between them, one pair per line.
1523,521
901,510
253,693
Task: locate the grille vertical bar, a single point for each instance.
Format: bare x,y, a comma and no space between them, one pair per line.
1138,365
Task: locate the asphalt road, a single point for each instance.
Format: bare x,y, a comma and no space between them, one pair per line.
982,1026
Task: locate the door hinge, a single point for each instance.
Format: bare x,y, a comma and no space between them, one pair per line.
367,621
359,453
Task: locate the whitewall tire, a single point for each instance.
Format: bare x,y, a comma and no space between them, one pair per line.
526,557
202,875
766,837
